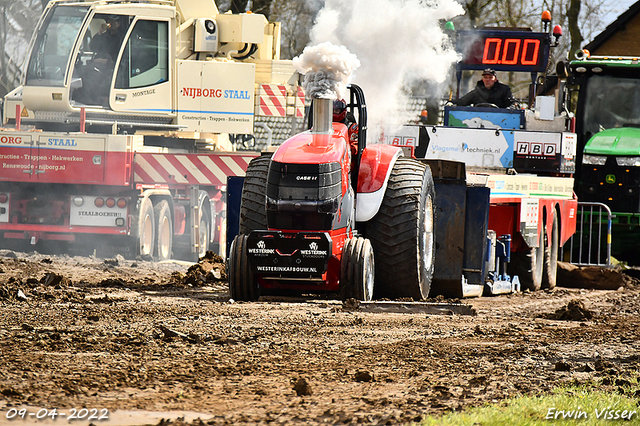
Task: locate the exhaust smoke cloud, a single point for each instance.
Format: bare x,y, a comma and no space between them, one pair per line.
396,42
326,68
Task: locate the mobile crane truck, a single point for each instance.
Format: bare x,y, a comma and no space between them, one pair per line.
119,140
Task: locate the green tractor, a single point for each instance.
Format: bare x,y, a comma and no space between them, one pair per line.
607,122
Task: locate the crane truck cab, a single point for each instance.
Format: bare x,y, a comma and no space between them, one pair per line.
152,65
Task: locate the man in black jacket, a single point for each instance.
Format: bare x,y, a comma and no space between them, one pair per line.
488,91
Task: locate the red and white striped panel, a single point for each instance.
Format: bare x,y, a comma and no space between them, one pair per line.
189,169
272,100
300,103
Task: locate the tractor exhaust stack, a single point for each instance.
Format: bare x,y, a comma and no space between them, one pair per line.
322,115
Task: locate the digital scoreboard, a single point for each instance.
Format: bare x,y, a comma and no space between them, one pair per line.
521,51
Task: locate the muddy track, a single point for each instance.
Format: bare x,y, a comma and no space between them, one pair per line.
124,335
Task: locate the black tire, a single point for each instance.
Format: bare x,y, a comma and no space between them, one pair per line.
357,270
204,229
253,214
529,266
164,231
551,255
243,286
144,230
402,233
345,263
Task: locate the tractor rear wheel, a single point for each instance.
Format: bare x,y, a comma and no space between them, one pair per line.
357,270
253,214
551,256
402,233
243,286
529,265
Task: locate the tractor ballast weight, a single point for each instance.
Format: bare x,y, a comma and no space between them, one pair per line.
314,219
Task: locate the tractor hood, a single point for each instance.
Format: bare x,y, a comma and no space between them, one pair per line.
314,148
618,141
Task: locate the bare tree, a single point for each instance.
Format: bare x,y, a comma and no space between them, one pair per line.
261,6
296,17
17,22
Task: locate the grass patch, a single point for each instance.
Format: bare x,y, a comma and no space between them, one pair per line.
583,406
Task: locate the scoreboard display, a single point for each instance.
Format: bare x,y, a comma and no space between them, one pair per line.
522,51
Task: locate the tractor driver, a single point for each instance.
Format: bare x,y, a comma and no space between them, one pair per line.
488,91
341,115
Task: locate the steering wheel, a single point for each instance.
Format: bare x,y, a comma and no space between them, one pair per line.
486,104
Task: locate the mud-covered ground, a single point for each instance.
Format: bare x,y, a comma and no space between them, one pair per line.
124,336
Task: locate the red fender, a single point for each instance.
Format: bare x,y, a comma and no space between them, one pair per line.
375,168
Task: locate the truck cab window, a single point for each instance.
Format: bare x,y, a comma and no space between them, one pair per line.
97,58
145,60
611,102
52,49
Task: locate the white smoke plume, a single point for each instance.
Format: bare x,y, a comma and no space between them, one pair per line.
326,68
396,41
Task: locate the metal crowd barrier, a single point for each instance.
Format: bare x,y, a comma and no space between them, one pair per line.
591,244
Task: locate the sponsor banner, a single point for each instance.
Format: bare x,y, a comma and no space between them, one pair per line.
474,147
537,151
48,158
302,253
529,186
216,97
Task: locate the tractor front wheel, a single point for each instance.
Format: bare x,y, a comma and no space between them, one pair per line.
357,270
243,285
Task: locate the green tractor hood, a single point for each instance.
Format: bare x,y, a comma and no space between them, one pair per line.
618,141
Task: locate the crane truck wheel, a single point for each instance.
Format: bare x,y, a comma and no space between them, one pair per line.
551,255
144,230
242,284
357,270
164,231
253,215
402,233
529,265
204,230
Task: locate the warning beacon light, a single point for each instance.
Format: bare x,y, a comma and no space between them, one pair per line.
546,19
557,33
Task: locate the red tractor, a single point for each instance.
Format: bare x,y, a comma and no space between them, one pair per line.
312,218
